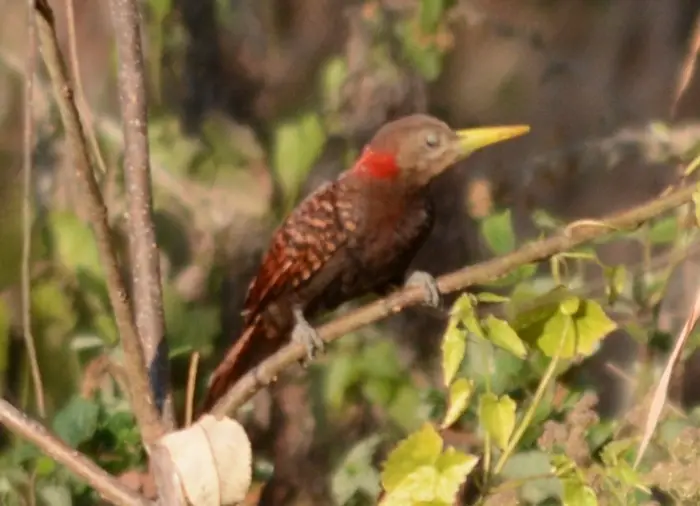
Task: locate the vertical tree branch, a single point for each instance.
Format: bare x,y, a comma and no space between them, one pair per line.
107,486
139,390
27,210
145,265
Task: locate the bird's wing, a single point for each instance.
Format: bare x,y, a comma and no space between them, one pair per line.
302,245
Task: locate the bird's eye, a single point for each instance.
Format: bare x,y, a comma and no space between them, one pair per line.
432,140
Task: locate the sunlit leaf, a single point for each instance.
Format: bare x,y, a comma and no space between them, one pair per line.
544,324
577,493
420,449
454,345
416,487
459,395
453,468
497,230
497,417
569,306
492,298
501,334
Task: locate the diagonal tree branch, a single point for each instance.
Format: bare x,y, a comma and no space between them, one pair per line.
144,255
139,391
107,486
574,234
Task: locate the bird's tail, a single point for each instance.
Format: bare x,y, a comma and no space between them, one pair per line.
251,348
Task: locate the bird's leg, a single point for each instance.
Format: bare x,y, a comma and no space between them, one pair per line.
428,283
305,334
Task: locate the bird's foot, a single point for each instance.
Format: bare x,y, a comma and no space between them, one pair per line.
305,334
429,285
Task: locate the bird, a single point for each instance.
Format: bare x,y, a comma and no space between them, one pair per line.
351,237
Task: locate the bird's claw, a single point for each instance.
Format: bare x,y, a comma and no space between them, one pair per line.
429,285
305,334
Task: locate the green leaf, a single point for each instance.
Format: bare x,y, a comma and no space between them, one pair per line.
616,279
664,230
460,392
77,421
569,306
453,468
492,298
297,144
430,15
497,417
356,473
498,233
420,449
501,334
454,346
52,307
74,243
577,493
545,324
416,487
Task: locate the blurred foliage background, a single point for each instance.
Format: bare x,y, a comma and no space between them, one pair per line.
253,103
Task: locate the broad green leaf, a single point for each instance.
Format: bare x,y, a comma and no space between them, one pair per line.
459,395
569,306
75,243
462,308
497,417
77,421
418,486
546,325
501,334
492,298
498,233
454,346
420,449
577,493
453,468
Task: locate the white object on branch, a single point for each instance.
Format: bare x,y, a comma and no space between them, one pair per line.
208,464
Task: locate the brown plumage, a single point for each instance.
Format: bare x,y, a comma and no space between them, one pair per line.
353,236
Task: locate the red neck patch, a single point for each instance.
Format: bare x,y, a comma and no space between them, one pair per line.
380,165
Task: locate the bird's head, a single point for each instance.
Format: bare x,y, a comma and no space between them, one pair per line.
414,149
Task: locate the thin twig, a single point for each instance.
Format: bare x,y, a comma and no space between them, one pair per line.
80,96
687,70
144,254
191,384
139,391
27,215
483,272
107,486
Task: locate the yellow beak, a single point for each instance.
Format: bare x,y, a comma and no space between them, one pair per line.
471,139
